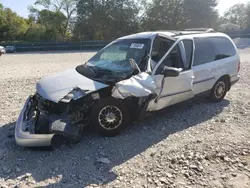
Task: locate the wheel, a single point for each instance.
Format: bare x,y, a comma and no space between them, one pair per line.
219,90
109,116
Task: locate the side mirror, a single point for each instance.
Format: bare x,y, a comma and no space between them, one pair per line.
171,72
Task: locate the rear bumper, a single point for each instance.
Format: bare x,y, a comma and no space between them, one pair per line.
235,79
25,138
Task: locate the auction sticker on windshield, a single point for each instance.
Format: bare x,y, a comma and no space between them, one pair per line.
137,45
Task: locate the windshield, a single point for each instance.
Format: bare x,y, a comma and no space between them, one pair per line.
116,56
113,62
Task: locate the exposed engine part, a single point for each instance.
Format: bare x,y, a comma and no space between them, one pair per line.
79,115
65,128
54,117
49,107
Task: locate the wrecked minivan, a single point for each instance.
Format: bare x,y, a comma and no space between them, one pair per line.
132,75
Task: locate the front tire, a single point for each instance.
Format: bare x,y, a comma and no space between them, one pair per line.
219,90
109,116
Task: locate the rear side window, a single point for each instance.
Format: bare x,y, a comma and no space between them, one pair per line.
204,52
212,49
223,48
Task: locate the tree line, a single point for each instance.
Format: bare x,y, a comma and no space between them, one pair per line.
69,20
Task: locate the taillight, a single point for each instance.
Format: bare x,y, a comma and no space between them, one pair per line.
239,67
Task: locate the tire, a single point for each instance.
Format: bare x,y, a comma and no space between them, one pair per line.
109,116
219,90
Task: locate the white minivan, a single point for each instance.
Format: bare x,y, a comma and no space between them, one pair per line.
132,75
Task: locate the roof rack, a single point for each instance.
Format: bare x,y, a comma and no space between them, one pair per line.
190,31
200,29
171,31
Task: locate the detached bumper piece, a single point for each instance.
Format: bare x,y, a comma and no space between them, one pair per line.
26,133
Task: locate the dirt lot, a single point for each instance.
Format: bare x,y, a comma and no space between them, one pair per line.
194,144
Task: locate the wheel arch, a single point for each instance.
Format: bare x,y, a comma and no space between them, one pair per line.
227,78
132,105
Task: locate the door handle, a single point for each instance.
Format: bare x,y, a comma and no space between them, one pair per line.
193,77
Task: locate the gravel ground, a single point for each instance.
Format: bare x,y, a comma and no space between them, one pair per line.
194,144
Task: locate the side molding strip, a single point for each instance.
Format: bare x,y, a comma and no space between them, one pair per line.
176,93
204,80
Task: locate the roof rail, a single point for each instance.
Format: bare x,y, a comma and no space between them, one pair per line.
171,31
189,31
200,29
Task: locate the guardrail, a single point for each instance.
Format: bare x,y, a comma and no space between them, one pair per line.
88,45
241,33
56,46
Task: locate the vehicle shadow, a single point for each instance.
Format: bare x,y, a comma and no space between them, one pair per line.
77,166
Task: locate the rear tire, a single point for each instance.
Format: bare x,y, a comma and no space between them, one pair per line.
219,90
109,116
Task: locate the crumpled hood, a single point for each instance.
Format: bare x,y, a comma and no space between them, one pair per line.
56,87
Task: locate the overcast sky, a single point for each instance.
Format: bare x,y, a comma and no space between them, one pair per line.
20,6
225,4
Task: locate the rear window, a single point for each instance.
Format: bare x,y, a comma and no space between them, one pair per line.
212,49
223,47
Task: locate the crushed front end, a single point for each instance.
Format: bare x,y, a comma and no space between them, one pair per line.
41,121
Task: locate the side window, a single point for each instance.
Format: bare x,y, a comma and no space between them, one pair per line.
188,45
172,60
223,47
160,47
204,51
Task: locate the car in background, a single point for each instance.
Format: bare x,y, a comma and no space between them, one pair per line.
10,49
2,50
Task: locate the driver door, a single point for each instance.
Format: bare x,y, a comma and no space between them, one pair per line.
172,90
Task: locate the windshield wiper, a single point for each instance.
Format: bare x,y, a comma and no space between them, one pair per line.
105,71
90,69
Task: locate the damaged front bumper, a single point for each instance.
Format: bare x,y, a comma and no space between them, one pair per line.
23,136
